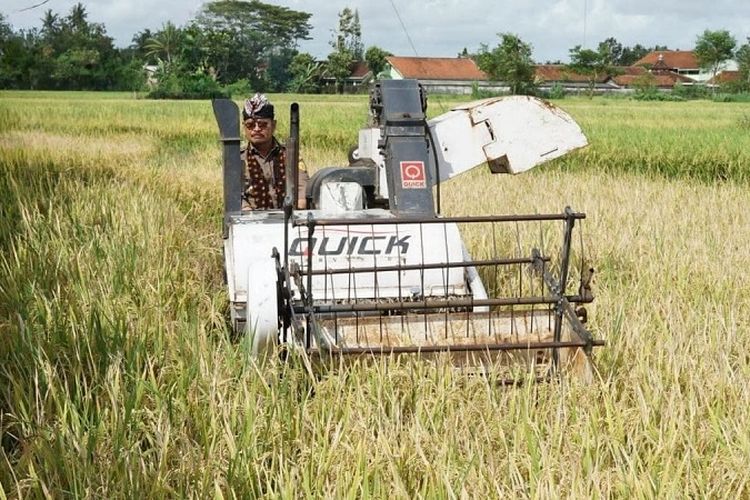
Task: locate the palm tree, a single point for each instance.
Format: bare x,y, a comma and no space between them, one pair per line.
165,44
78,17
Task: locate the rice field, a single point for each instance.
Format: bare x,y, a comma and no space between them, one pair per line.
118,377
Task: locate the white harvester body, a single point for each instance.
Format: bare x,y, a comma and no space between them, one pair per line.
252,279
372,254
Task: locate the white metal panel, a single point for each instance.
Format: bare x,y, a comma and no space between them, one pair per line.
336,248
368,148
341,196
522,130
252,238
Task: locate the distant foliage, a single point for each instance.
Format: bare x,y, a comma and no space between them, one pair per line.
691,91
557,91
66,53
743,60
227,40
595,64
375,57
180,85
737,97
347,48
305,72
510,62
712,48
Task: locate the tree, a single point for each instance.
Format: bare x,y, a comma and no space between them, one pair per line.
348,36
239,39
77,19
338,67
305,72
591,63
630,55
6,31
509,62
611,51
347,47
712,48
72,53
375,57
65,52
743,61
50,23
165,43
11,55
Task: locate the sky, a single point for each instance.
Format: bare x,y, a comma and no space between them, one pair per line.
442,28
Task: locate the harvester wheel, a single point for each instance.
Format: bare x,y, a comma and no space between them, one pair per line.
353,154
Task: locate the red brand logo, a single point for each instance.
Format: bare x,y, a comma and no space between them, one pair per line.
412,175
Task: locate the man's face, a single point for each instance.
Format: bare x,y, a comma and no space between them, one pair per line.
259,131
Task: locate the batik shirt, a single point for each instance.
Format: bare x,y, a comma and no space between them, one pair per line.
265,178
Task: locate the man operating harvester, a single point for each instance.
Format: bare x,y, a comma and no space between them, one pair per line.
265,159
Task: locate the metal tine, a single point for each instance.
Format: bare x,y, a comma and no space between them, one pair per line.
424,294
352,286
301,263
332,300
336,328
398,278
350,275
495,271
308,291
445,270
325,268
375,283
520,252
325,282
356,329
445,276
495,255
470,308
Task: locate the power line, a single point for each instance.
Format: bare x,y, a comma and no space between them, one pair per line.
33,6
403,26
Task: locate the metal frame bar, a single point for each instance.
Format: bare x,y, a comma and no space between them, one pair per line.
456,348
561,311
442,220
438,304
418,267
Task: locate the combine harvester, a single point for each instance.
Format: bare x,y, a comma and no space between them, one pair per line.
371,267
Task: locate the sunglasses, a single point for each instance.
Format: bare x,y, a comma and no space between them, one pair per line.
261,125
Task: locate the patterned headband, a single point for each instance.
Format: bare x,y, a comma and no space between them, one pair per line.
258,107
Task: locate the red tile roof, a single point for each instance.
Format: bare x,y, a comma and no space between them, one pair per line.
662,80
676,59
560,73
630,70
437,68
726,77
359,70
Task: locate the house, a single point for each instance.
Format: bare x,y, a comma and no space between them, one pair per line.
725,77
150,71
356,82
546,76
361,75
632,76
680,62
451,75
663,69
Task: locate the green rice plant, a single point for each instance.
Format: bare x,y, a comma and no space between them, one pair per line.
118,377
